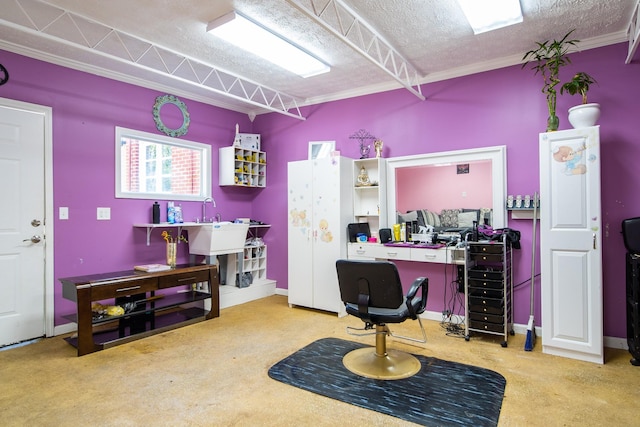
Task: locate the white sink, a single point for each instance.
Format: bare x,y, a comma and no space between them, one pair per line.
216,238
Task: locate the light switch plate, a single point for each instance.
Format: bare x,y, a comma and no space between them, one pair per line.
63,212
104,214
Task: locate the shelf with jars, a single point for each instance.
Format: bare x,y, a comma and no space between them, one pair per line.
242,167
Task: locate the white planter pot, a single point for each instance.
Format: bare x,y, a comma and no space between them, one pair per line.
584,115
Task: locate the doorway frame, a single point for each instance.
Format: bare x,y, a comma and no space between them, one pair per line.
47,113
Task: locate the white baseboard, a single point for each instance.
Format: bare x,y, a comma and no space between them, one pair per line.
234,296
609,342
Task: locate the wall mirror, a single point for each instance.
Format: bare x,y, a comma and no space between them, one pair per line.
472,179
321,149
150,166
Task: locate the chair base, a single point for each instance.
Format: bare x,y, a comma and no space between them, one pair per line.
391,365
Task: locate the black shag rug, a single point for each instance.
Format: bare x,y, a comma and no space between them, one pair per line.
442,394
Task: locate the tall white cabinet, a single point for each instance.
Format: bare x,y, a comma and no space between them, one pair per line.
571,244
320,205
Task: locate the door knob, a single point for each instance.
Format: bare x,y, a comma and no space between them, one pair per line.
33,239
35,223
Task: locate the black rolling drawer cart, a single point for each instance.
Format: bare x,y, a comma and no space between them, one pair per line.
633,306
489,289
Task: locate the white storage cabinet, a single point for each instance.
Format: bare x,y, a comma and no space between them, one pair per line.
571,244
320,205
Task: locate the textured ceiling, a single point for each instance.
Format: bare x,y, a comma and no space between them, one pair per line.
431,35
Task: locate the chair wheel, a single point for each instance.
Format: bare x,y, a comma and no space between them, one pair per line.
466,337
503,343
512,333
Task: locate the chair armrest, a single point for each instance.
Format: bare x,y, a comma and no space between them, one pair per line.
421,283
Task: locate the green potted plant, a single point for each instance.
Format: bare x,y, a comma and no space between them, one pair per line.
579,84
547,59
585,114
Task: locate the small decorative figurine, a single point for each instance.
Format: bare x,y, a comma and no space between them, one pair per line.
377,144
363,178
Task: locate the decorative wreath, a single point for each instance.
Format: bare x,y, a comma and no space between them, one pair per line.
170,99
4,75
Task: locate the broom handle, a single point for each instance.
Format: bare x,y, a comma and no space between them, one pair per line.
533,250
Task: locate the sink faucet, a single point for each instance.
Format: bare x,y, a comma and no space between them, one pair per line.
204,207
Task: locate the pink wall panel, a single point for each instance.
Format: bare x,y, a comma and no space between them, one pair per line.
436,188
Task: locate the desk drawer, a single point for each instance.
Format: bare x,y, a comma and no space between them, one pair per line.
429,255
186,278
394,252
130,287
362,250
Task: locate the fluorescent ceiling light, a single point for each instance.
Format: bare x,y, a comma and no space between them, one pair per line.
487,15
252,37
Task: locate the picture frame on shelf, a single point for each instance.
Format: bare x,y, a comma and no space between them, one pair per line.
321,149
462,168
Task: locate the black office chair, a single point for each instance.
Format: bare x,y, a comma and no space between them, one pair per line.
372,291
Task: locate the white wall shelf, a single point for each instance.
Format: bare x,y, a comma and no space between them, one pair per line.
369,201
150,227
241,167
523,213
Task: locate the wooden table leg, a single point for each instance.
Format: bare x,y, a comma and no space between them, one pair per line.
215,293
85,322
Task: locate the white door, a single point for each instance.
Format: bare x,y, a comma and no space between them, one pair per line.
328,231
571,244
300,234
22,241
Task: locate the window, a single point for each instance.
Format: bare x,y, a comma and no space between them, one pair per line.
150,166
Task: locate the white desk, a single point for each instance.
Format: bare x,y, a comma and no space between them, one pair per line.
444,255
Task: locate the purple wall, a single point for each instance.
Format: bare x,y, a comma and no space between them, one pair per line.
502,107
86,110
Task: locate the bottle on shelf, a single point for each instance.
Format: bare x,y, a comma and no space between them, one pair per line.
155,217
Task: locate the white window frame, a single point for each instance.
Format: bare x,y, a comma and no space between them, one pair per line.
205,167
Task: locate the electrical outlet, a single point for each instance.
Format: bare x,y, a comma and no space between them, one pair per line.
63,212
104,214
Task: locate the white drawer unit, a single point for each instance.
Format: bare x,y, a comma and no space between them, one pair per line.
441,256
362,250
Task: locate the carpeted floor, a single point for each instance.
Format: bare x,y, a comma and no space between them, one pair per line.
214,373
443,393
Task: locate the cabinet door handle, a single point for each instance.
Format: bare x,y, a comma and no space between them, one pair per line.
130,288
594,241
